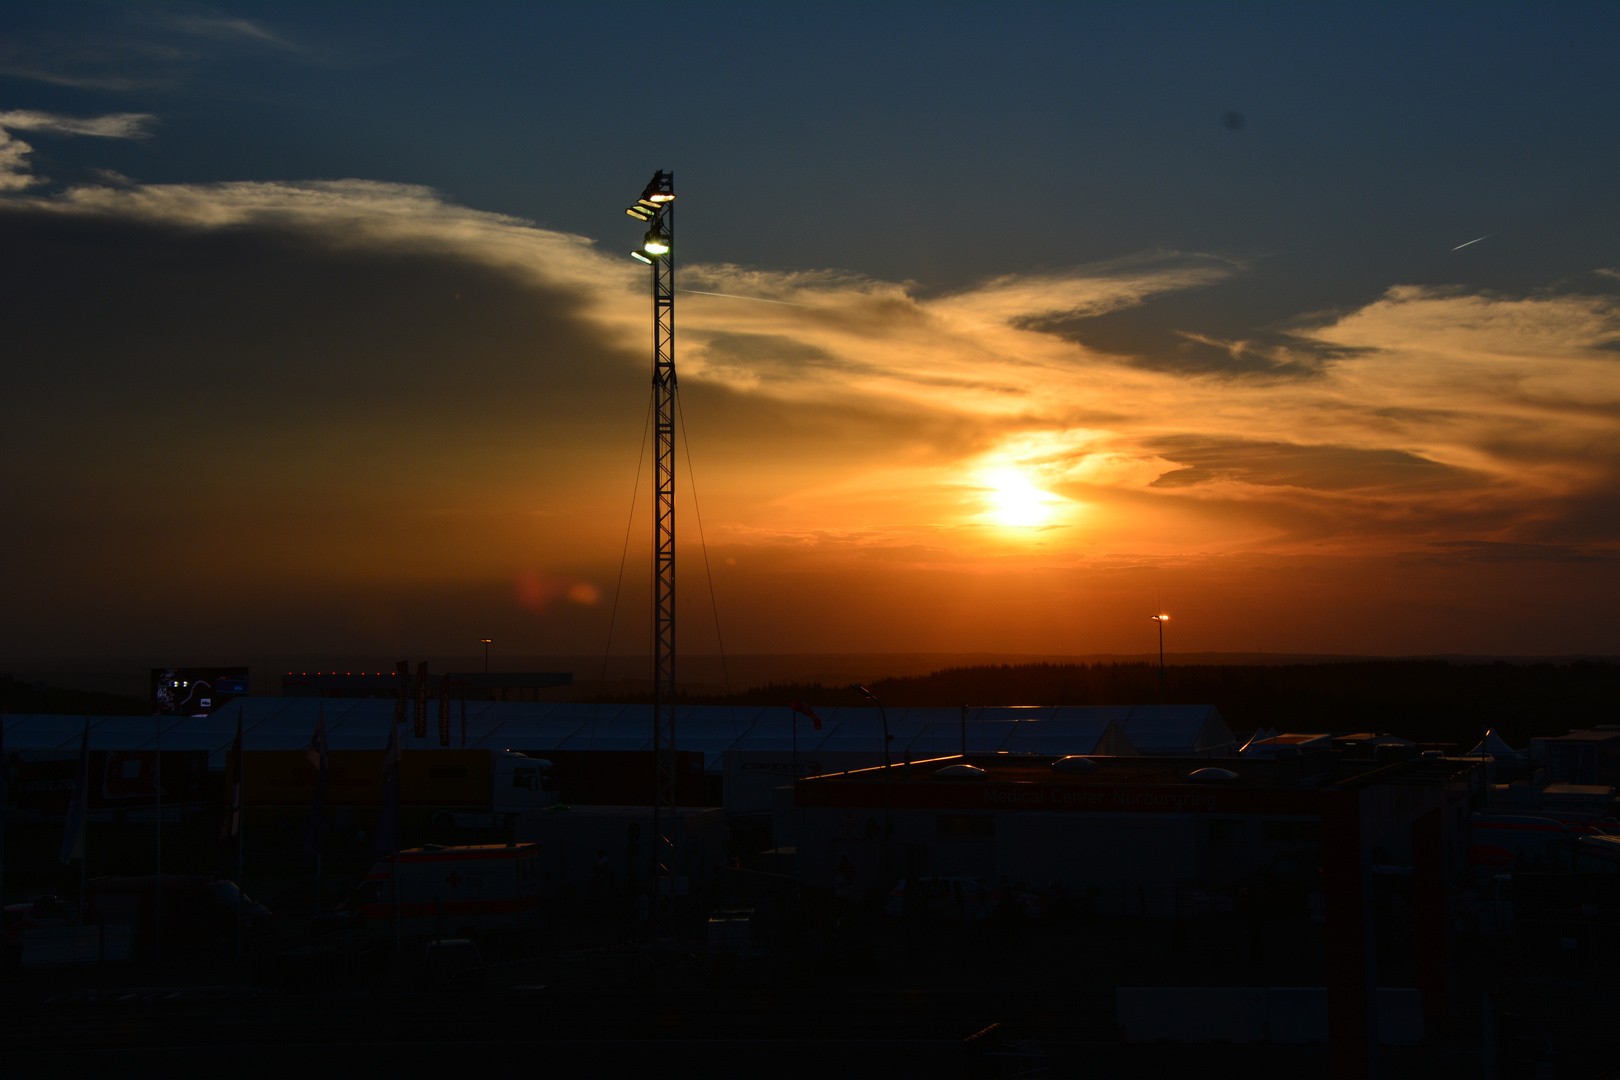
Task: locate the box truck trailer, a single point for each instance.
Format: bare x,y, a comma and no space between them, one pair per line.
462,891
474,789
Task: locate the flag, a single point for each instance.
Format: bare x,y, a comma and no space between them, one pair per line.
421,699
801,707
73,831
234,824
317,757
387,838
444,710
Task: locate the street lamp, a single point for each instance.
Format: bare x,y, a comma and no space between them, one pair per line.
1161,620
887,821
486,642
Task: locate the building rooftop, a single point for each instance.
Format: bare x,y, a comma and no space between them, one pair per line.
286,723
1030,782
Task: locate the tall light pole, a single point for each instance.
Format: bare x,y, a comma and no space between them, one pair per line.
1161,620
656,208
486,642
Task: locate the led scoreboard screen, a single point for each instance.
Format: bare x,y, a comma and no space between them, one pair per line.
196,691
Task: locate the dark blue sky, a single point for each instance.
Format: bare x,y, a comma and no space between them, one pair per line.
939,143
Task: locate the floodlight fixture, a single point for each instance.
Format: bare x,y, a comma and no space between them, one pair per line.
639,212
660,189
639,257
1161,620
655,243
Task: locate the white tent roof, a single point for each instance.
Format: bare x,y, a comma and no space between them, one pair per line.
1494,746
362,723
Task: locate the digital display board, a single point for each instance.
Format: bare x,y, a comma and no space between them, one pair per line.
196,691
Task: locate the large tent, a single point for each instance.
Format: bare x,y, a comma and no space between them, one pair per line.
273,723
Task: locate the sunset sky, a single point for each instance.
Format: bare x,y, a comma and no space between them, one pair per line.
1300,323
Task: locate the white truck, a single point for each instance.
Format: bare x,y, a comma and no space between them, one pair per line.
518,785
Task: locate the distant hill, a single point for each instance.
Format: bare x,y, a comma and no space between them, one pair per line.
37,697
1444,701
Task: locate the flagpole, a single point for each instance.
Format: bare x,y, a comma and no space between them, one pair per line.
399,946
241,828
5,784
317,758
241,857
157,899
73,831
793,779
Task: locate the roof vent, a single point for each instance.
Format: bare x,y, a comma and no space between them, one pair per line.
1211,774
1074,763
959,771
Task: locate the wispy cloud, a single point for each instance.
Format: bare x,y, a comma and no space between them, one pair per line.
110,126
149,48
229,28
16,173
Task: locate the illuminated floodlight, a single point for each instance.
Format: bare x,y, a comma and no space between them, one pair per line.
640,257
655,243
639,212
660,189
1160,618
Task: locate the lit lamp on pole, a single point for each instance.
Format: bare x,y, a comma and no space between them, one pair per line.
1161,620
486,643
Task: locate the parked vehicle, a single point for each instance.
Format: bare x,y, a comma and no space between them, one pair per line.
123,784
334,951
1505,841
198,913
433,890
452,964
444,789
36,913
967,899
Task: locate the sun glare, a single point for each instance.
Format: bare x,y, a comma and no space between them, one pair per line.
1017,502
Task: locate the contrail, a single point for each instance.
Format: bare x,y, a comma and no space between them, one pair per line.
1476,240
734,296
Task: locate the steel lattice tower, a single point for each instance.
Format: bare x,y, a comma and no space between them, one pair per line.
655,207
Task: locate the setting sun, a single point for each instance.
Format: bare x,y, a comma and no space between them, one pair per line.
1017,502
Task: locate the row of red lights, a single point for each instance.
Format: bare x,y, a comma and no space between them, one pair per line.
350,673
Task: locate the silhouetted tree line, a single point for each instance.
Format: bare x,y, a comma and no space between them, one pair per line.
36,697
1426,700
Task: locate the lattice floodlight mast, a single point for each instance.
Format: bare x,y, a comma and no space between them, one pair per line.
655,207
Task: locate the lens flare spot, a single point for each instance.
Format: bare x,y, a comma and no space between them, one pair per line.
536,591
